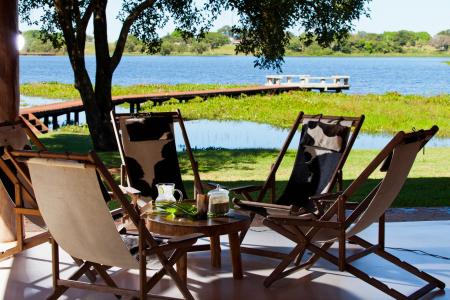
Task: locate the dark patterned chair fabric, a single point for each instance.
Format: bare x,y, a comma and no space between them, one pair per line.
320,150
150,153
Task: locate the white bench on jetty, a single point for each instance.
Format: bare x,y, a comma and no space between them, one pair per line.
333,83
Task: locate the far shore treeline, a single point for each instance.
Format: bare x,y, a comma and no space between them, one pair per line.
223,42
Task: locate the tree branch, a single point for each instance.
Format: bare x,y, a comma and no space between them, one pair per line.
87,16
120,46
82,23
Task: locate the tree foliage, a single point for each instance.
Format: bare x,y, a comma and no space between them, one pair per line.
262,29
262,25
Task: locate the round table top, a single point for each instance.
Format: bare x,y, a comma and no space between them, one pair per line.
173,226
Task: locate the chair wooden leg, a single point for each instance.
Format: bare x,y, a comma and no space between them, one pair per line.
277,273
55,270
90,274
244,232
158,275
299,258
315,257
179,283
381,231
61,289
182,267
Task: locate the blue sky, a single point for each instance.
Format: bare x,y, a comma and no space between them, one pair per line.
386,15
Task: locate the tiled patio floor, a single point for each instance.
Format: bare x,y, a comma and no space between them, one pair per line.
28,276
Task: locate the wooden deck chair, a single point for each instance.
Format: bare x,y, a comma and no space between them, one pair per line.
68,189
318,235
19,135
325,143
147,149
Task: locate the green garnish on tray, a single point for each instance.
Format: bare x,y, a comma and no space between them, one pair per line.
178,209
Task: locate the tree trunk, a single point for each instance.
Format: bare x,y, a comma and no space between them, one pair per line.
9,99
100,121
97,107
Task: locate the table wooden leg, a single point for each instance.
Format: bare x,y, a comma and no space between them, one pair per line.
182,268
215,251
235,250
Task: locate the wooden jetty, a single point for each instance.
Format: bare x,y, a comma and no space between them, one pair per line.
335,83
40,116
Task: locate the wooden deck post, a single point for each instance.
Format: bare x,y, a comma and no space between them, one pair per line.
76,118
9,99
55,122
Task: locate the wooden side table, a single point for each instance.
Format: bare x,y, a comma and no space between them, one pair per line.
213,228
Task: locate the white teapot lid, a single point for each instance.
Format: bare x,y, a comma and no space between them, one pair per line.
218,191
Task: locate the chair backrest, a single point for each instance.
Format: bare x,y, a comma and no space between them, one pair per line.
396,159
325,143
72,204
13,135
149,152
397,165
18,136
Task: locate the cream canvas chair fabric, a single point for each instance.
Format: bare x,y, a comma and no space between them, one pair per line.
93,235
70,190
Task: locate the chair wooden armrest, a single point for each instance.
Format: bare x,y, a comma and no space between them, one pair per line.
184,241
348,204
246,189
302,220
263,209
182,238
212,185
262,205
117,213
320,199
326,196
130,190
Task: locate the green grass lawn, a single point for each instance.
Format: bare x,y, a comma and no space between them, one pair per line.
428,183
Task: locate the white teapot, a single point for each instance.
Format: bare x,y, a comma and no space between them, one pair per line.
166,193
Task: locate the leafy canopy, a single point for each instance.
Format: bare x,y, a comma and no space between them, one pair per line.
262,28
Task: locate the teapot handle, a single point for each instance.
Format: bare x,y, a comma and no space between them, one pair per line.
181,195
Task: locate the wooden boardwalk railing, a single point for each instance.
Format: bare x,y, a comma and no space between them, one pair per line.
54,110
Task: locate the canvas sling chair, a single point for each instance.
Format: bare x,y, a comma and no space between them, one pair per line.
318,235
19,135
325,143
147,149
68,189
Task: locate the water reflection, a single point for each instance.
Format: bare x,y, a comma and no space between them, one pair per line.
251,135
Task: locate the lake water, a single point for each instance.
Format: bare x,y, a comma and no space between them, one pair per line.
407,75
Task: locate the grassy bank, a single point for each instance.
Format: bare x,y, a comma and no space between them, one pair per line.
386,113
56,90
428,185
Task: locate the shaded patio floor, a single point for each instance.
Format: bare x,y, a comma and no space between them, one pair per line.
28,275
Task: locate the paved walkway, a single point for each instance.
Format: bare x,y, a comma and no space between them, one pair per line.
28,275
